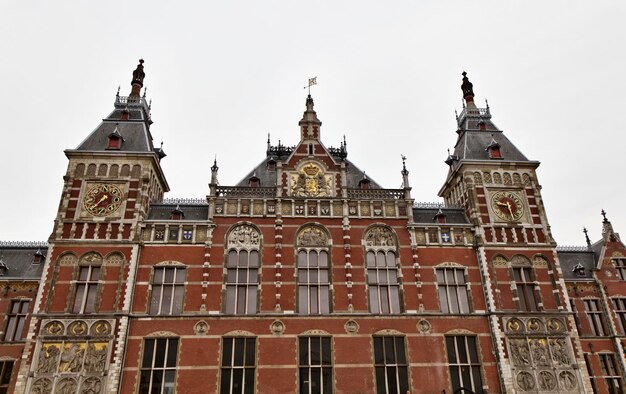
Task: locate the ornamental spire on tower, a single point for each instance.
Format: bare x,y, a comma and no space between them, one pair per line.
310,124
468,90
137,82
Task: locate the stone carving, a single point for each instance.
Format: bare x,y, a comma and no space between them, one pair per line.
535,324
311,182
567,380
244,236
520,260
499,261
423,326
555,325
114,259
277,327
487,177
515,325
525,381
72,357
517,179
54,328
312,236
77,328
66,386
351,327
48,358
101,327
379,236
547,381
91,385
497,178
95,357
559,352
477,178
91,258
519,352
526,179
201,328
42,386
539,350
315,332
539,261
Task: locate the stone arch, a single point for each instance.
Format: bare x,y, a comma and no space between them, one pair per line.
520,261
243,235
102,169
114,258
91,170
506,179
313,235
114,170
79,172
314,332
125,170
497,178
67,258
380,236
136,171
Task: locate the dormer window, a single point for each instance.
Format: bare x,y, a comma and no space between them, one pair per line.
440,217
115,140
364,183
125,114
4,268
271,165
579,270
254,181
177,214
38,257
493,149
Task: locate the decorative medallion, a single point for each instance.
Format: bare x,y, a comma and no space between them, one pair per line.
555,325
42,386
187,235
351,327
567,380
101,327
515,325
201,328
423,326
312,236
507,206
525,381
547,381
54,328
91,385
379,236
534,324
78,327
277,327
311,181
102,199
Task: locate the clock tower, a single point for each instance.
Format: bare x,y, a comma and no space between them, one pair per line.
84,300
527,302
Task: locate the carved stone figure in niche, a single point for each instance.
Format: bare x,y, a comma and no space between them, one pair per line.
92,258
78,328
95,357
41,386
559,351
72,358
567,380
48,358
244,236
66,386
547,381
526,381
54,328
379,236
514,325
519,352
539,349
555,325
312,236
101,328
311,182
91,385
534,324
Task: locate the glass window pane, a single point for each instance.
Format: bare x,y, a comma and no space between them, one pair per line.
159,358
323,276
463,301
454,304
169,275
391,259
440,276
158,275
251,300
326,351
241,299
323,259
314,306
471,344
243,259
324,300
250,351
399,345
83,274
148,349
227,350
253,275
450,347
394,298
381,384
303,299
374,304
312,259
315,356
78,301
25,306
380,259
304,381
403,379
384,300
370,258
327,379
240,348
230,299
249,381
144,382
461,349
232,259
10,331
392,381
231,275
254,259
237,387
443,299
378,350
180,275
460,276
225,381
389,349
166,300
19,330
455,377
478,384
302,258
450,276
95,273
168,387
316,380
172,352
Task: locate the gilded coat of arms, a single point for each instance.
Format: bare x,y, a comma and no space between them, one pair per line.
311,182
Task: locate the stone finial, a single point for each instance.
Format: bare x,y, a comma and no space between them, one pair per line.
137,82
587,237
468,88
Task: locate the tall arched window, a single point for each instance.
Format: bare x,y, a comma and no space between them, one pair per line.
383,279
86,283
313,271
242,270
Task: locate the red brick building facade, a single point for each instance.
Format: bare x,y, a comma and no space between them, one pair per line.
307,276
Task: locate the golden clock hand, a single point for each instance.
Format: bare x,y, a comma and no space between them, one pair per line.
100,200
508,204
501,204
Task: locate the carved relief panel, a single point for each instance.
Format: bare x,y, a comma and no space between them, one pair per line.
311,181
540,354
72,356
244,236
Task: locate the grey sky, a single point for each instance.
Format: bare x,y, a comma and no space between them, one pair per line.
224,74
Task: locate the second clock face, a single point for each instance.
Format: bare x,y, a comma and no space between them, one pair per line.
507,206
102,199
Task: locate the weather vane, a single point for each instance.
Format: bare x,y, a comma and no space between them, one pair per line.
312,81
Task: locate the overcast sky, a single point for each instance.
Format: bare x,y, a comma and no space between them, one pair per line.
224,74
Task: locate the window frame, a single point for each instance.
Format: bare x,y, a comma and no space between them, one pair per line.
81,305
153,368
249,289
6,374
525,287
619,263
177,289
387,293
323,367
398,366
459,289
595,317
619,308
311,293
16,321
457,367
229,364
611,373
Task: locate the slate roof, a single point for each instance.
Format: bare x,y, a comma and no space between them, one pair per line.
570,259
427,216
190,212
135,131
19,259
472,145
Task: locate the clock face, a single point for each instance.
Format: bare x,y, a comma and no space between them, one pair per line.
102,199
507,206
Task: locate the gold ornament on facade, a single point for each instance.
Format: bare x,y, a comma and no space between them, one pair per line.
311,181
514,325
100,327
534,324
54,328
555,325
77,328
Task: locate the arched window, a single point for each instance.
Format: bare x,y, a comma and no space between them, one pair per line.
86,285
383,281
313,265
242,270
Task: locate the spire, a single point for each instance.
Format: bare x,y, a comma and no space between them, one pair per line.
607,229
587,237
310,124
137,82
468,90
